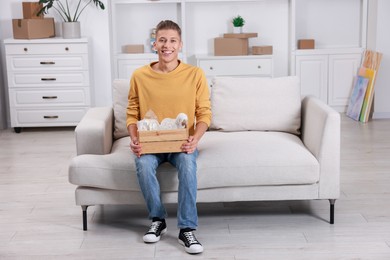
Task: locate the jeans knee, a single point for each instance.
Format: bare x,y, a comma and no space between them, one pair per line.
186,161
146,165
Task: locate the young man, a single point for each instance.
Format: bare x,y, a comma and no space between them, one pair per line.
169,87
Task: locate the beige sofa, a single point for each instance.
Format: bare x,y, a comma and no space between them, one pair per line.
264,143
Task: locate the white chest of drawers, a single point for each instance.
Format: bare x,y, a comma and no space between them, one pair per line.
48,81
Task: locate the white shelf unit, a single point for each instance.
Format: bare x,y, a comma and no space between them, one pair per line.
132,23
339,28
201,21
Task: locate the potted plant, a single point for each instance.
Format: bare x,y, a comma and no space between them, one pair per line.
69,13
238,23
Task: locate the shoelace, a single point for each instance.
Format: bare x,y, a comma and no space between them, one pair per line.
191,238
154,227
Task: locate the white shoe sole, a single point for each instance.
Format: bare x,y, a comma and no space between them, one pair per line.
194,249
150,238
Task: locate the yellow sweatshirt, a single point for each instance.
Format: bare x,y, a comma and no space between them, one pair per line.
183,90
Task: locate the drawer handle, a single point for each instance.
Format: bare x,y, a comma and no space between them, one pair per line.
67,48
25,49
211,68
50,117
49,97
48,79
259,67
47,62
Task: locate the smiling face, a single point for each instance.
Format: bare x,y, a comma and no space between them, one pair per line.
168,45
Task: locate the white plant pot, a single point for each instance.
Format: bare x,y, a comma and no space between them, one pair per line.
71,30
237,29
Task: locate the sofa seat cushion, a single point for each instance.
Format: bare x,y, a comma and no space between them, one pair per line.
226,159
230,159
114,171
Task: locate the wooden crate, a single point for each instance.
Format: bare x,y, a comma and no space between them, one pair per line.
162,141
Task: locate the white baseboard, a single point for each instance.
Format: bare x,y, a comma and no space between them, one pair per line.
381,115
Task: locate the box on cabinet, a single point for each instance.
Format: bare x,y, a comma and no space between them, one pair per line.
133,48
306,44
262,50
33,28
162,141
30,10
230,46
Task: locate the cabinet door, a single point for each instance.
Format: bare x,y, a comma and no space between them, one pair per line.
342,69
127,67
313,73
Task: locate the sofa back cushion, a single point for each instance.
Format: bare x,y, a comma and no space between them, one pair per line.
262,104
120,92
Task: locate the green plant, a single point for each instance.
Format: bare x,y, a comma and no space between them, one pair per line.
64,10
238,21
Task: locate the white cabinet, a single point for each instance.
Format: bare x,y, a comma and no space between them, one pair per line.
261,66
313,73
48,81
342,69
328,76
339,29
126,66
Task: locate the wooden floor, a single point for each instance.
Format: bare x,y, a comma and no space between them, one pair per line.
39,219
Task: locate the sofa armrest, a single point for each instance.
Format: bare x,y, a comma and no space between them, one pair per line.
94,133
321,135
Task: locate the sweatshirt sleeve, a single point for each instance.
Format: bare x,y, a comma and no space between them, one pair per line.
133,110
203,106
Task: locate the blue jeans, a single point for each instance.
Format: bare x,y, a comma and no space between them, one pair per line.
187,215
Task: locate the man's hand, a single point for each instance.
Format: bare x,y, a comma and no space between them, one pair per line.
190,146
134,144
192,141
135,147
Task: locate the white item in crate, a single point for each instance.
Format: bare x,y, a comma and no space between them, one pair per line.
150,122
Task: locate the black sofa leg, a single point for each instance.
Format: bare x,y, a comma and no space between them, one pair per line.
84,208
332,202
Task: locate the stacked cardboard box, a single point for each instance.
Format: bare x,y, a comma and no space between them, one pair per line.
31,9
262,50
232,44
33,26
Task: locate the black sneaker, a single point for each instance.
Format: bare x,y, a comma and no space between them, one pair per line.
157,228
188,240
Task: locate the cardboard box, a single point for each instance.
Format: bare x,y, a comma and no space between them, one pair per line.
240,35
230,46
162,141
262,50
306,44
30,10
133,48
33,28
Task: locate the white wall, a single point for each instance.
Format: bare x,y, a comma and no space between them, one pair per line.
94,26
382,44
